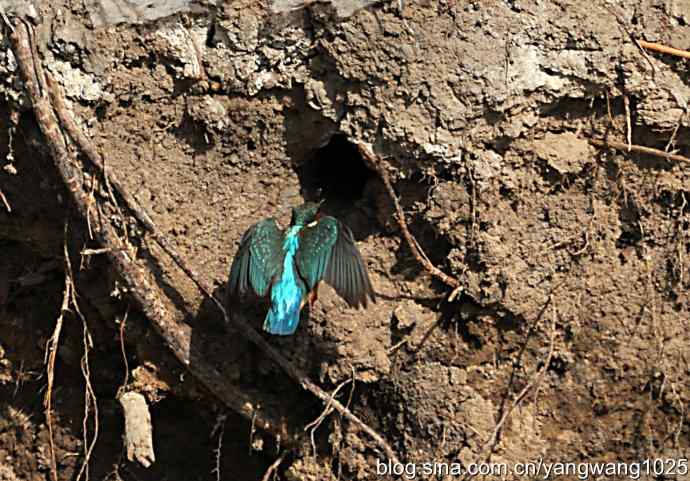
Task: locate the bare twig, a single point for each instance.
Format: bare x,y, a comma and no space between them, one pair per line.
4,201
657,47
638,149
533,384
377,163
273,468
50,355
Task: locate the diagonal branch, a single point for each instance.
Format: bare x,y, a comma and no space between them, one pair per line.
142,289
640,149
487,449
657,47
377,163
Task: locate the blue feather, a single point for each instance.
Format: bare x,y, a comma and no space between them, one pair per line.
287,292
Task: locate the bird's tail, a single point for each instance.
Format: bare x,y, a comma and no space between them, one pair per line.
281,323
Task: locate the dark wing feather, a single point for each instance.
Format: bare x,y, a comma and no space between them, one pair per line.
257,260
328,252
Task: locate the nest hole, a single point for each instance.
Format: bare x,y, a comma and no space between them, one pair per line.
335,173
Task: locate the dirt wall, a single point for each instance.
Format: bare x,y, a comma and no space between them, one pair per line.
221,115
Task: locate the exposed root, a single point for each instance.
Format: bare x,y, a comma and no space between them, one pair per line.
143,291
616,12
90,405
69,303
123,351
628,121
6,20
50,355
657,47
378,164
533,384
273,467
218,450
397,346
679,248
87,147
638,149
314,425
141,288
674,134
5,202
90,402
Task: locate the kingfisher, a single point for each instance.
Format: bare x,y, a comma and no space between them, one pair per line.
290,264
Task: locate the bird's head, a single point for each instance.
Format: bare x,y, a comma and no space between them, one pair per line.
305,213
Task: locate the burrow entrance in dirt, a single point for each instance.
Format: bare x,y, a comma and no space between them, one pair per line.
335,173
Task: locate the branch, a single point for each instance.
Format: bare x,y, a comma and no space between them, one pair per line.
638,149
534,384
138,429
142,290
377,163
657,47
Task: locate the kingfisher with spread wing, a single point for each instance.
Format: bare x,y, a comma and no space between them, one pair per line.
289,265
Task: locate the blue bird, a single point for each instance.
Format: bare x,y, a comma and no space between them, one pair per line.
290,264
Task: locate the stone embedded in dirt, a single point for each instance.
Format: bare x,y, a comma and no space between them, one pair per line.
408,313
565,152
344,8
111,12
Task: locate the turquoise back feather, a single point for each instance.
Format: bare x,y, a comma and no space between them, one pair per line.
290,263
288,290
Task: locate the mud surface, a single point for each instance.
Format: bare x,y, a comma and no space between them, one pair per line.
221,116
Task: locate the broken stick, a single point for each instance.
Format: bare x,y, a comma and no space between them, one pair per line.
640,149
657,47
138,429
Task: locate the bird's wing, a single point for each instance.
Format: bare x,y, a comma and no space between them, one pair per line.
257,260
328,252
